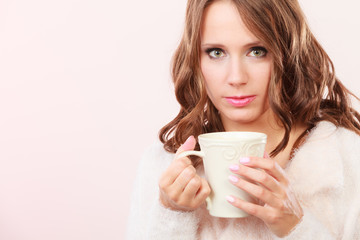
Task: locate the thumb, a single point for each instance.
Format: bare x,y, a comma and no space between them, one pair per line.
189,144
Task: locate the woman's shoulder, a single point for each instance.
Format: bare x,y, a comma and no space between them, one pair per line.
335,143
348,138
327,132
329,155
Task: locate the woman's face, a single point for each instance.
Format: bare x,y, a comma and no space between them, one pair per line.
236,67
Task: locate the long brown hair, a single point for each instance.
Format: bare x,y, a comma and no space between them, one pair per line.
303,86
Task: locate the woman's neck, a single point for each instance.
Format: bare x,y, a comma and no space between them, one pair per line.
267,123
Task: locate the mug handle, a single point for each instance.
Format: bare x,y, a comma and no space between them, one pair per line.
199,154
188,153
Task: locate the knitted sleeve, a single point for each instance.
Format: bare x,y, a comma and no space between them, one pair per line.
309,228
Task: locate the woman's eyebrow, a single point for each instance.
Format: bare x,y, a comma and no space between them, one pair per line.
219,45
206,45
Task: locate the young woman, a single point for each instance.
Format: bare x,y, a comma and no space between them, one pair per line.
253,65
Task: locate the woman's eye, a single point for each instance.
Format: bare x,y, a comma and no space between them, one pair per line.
257,52
215,53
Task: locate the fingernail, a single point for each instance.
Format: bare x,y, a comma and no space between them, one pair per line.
187,143
234,167
233,179
244,160
230,199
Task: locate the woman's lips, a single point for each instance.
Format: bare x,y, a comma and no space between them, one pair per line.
240,101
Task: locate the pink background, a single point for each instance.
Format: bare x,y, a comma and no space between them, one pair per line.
84,88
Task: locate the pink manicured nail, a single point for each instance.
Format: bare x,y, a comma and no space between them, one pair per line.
244,160
234,167
233,179
187,144
230,199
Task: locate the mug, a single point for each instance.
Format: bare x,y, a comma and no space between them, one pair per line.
219,150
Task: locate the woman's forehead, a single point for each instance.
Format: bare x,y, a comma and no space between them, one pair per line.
222,24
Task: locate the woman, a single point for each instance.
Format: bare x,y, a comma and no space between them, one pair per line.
253,65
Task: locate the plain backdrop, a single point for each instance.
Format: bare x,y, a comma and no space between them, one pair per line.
84,88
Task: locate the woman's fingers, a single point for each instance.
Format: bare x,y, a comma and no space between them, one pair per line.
257,176
257,191
180,187
192,194
268,165
183,180
261,212
279,220
203,192
196,191
178,165
265,179
173,171
191,191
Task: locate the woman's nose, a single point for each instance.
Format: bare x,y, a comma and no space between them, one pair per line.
237,73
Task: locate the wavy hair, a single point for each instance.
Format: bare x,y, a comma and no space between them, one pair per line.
303,86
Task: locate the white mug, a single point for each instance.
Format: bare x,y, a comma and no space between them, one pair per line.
219,150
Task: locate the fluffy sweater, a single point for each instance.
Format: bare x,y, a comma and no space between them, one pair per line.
324,174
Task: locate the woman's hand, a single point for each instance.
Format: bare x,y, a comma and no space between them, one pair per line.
266,180
181,188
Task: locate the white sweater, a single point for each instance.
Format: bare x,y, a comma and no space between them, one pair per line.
324,174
